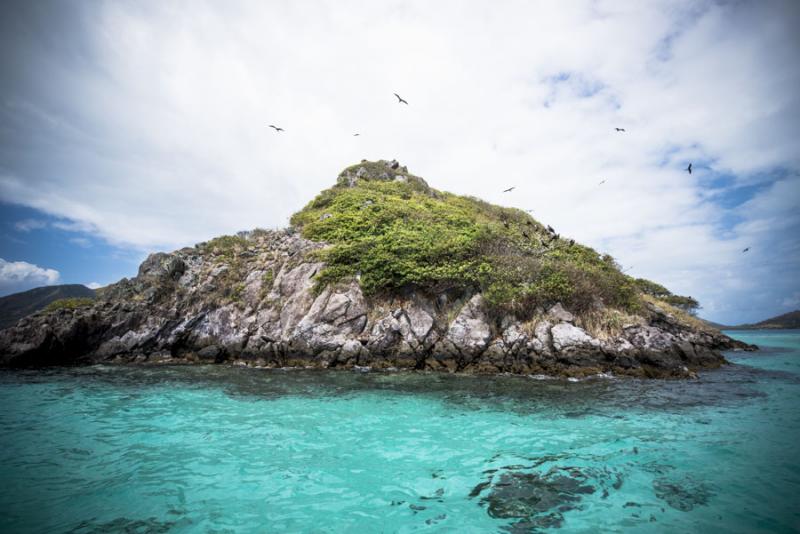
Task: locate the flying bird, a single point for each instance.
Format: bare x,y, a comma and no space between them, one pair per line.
356,134
689,169
620,129
275,128
601,183
550,229
400,99
509,189
745,250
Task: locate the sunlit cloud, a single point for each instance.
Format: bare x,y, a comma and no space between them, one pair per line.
146,124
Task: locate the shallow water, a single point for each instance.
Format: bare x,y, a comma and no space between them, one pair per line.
219,449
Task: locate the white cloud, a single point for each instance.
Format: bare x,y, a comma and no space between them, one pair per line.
26,225
80,241
159,139
20,275
93,285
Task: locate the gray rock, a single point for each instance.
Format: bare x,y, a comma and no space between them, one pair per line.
470,332
181,307
566,336
558,313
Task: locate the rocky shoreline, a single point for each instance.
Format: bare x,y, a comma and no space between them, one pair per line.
252,301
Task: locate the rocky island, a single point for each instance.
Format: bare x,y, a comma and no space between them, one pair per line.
382,271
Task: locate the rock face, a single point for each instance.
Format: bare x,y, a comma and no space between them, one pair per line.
251,300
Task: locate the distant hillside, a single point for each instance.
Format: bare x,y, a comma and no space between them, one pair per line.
15,307
787,320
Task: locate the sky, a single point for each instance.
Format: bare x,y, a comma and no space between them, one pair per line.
133,127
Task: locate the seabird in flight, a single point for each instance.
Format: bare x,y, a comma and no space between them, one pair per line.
620,129
400,99
509,189
275,128
689,169
745,250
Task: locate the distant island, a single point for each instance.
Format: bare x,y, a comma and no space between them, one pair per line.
15,307
789,320
383,271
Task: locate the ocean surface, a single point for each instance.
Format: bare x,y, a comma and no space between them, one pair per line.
220,449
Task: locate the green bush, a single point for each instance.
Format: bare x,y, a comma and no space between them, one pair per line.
401,233
69,303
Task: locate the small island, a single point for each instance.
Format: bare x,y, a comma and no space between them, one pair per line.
382,271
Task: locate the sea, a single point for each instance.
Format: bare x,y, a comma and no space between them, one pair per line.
147,449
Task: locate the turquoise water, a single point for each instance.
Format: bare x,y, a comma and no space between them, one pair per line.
217,449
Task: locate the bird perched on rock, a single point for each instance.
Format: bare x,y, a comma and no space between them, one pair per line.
571,242
509,189
550,229
400,99
689,169
275,128
620,129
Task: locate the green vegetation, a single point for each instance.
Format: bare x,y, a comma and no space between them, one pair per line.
397,232
227,245
686,304
69,304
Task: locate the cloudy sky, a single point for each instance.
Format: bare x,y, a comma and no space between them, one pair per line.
129,127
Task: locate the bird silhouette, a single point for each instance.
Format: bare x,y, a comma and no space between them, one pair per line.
689,169
526,234
571,242
550,229
620,129
356,134
400,99
745,250
509,189
275,128
601,183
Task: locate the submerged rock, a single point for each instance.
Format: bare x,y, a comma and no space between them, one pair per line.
537,500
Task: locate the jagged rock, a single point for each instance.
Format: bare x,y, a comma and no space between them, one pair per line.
558,313
470,332
255,303
566,336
